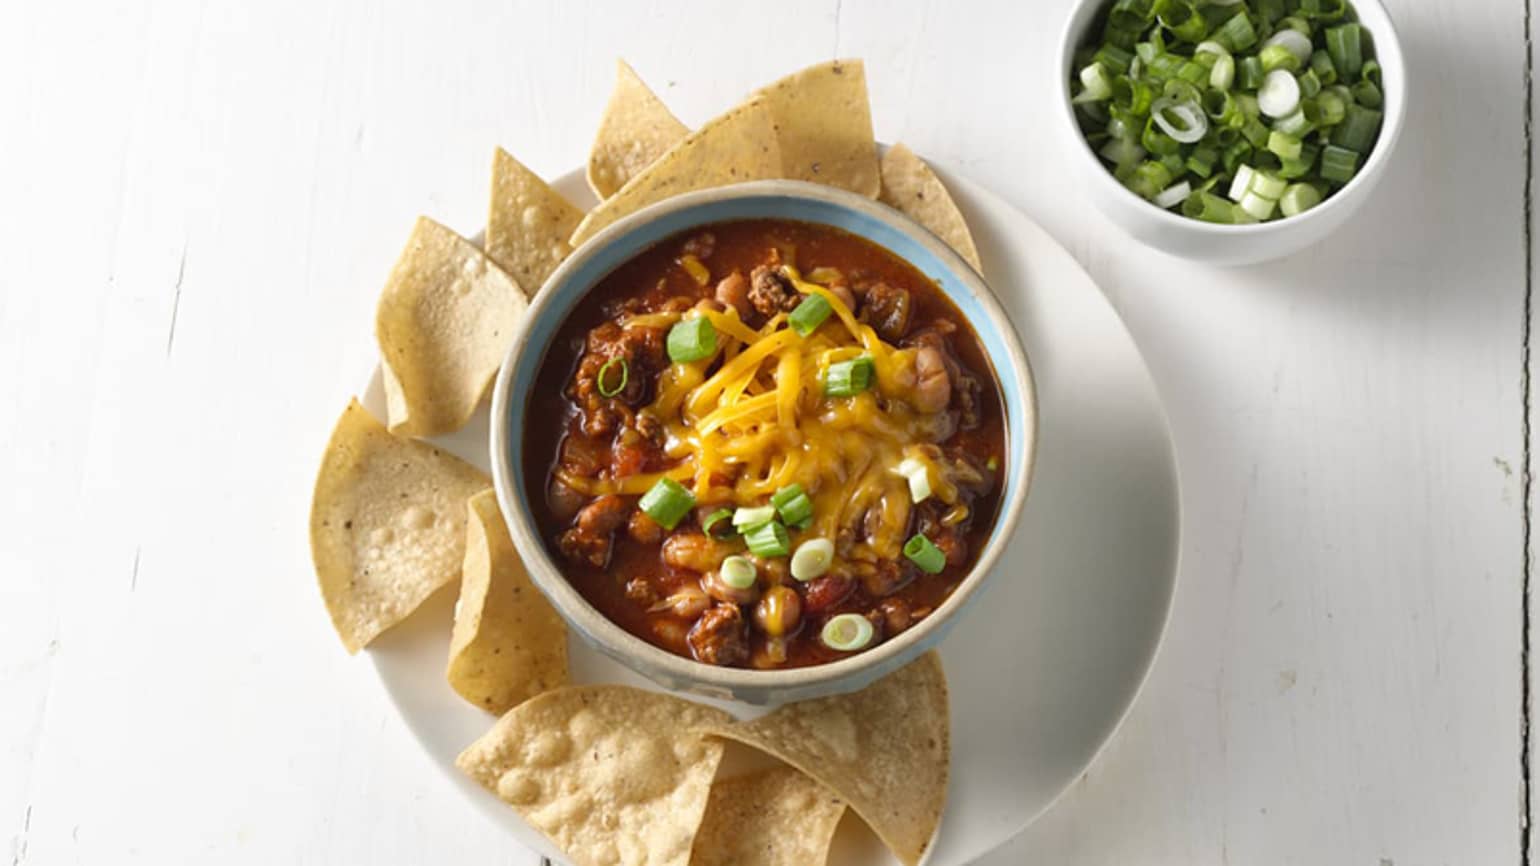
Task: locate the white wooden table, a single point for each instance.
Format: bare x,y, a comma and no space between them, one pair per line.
198,202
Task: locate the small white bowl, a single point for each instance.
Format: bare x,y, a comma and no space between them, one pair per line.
1214,243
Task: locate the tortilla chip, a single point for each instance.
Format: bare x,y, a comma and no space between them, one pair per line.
824,125
509,643
528,225
445,319
737,146
885,750
636,129
776,817
611,774
387,524
909,185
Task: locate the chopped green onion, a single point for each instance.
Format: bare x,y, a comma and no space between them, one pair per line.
1237,34
1257,206
809,314
849,378
925,555
1279,94
1185,100
812,559
1285,145
1358,130
715,518
1173,195
917,474
1278,57
1324,69
748,519
847,632
604,374
738,572
1367,94
667,502
1338,164
1345,45
1299,198
793,504
768,540
1250,73
1208,207
692,339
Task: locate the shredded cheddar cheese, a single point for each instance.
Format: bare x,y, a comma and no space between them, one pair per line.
760,421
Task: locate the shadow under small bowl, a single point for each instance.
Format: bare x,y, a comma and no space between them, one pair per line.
629,237
1215,243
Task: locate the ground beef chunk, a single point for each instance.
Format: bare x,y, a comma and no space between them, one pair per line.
720,636
643,351
593,532
888,310
771,292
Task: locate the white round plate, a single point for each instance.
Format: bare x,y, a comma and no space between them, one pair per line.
1043,670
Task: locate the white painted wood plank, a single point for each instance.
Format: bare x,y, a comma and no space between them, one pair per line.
1341,679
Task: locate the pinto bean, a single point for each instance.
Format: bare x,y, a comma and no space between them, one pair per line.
733,291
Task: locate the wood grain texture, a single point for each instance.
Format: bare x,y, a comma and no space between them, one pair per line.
202,200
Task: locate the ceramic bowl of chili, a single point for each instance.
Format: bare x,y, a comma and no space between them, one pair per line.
600,495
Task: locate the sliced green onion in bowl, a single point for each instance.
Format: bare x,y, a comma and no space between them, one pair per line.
738,572
692,339
847,632
812,559
1299,198
768,540
667,502
1180,97
925,554
748,519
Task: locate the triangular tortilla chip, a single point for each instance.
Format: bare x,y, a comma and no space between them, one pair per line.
909,185
444,321
824,125
737,146
611,774
528,224
885,750
387,524
509,643
775,817
636,129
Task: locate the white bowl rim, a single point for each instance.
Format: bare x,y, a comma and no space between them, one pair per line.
1392,63
729,682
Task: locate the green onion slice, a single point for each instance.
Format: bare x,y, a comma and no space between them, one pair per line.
924,554
738,572
667,502
715,518
768,540
812,312
849,378
692,339
794,505
812,559
604,373
847,632
746,519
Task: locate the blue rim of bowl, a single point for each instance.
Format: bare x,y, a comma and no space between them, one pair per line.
641,230
1395,97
